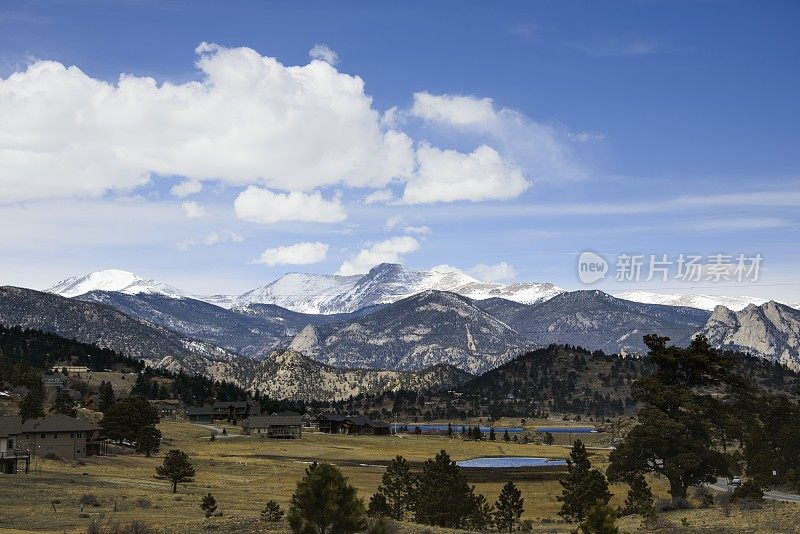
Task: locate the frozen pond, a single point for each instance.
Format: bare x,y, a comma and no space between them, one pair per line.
457,428
565,429
509,462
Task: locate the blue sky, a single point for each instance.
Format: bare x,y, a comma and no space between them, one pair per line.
649,127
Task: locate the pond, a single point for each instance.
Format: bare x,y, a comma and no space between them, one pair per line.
566,429
508,462
457,428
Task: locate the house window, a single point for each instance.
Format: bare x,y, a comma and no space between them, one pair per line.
43,435
72,434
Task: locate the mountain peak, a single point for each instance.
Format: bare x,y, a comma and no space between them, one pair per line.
111,280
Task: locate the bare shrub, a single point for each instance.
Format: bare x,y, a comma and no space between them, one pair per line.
88,499
143,503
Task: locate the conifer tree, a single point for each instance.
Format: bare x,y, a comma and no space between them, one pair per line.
492,435
324,502
209,506
443,497
600,519
482,515
32,404
176,468
582,487
272,512
506,437
510,505
148,440
639,499
106,392
63,405
397,487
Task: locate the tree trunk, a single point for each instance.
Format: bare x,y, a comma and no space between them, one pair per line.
677,490
174,487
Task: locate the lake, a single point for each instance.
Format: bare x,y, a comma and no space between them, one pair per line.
508,462
457,428
566,429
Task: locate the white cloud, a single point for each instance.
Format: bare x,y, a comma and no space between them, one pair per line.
247,120
448,176
393,222
186,188
259,205
494,273
417,229
583,137
193,210
298,254
453,109
445,268
381,196
388,251
543,151
322,52
213,238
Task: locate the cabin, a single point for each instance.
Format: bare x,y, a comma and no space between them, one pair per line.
69,368
233,411
360,425
274,426
166,407
200,414
57,435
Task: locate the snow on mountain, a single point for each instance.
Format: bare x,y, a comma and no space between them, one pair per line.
112,280
770,331
305,293
703,302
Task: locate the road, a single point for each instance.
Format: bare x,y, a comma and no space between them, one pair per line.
722,485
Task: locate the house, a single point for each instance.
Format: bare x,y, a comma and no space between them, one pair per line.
274,426
91,402
233,410
309,421
71,369
11,455
332,423
55,382
200,414
59,435
166,407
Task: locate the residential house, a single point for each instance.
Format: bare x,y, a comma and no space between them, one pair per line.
11,455
233,410
55,382
274,426
71,369
332,423
58,435
166,407
200,414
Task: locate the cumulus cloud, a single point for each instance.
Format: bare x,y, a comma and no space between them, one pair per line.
541,149
393,222
388,251
298,254
248,119
322,52
417,229
381,196
256,204
186,188
213,238
193,210
449,175
499,272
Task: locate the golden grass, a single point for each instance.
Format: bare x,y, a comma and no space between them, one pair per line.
243,473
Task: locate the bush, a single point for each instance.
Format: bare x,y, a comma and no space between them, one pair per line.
89,500
272,513
381,525
526,525
704,495
750,490
143,503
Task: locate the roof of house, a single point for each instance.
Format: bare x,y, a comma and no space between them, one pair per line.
264,421
331,417
361,420
235,404
287,413
170,402
200,410
10,425
58,423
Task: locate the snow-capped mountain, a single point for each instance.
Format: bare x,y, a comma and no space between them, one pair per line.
384,283
702,302
770,331
112,280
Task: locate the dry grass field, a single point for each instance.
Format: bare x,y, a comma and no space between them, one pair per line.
243,473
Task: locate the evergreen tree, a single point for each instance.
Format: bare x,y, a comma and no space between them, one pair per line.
482,515
510,505
492,435
176,468
506,437
548,438
325,503
684,418
600,519
398,487
443,497
106,391
126,418
63,405
32,404
148,440
449,430
639,499
477,435
209,506
272,512
378,507
582,487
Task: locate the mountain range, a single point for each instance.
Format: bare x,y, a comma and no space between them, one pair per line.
383,330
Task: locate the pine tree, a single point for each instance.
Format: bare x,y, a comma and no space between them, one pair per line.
510,505
639,499
506,437
482,515
272,512
449,430
63,405
176,468
600,519
106,396
126,418
209,506
583,486
325,502
492,435
398,487
148,440
32,404
548,438
443,497
378,507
